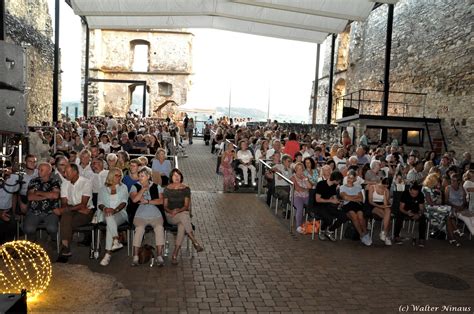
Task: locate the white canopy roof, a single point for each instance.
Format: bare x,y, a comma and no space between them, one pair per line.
303,20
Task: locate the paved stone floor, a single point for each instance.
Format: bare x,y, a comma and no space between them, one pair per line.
251,263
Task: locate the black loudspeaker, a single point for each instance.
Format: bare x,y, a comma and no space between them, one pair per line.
348,111
12,66
13,303
12,111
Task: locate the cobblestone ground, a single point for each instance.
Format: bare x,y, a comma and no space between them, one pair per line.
251,263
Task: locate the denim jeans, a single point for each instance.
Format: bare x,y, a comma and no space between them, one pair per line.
32,221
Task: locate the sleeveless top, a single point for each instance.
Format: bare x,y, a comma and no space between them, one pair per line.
456,197
376,197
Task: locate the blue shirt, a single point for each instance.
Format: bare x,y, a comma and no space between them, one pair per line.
129,182
163,168
147,211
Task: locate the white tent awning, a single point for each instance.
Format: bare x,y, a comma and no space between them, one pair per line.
303,20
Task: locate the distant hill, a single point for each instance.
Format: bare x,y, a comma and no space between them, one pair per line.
258,115
72,105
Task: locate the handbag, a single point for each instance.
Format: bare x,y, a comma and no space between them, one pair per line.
307,227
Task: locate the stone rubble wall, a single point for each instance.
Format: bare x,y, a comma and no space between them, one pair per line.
111,57
432,49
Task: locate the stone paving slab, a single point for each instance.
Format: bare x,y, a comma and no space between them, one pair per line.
252,264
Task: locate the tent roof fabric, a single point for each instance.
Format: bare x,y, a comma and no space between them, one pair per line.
302,20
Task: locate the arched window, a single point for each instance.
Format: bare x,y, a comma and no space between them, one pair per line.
165,89
140,55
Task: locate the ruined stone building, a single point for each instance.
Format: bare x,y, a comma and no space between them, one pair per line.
161,58
28,24
432,50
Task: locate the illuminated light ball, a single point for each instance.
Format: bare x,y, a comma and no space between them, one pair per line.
24,265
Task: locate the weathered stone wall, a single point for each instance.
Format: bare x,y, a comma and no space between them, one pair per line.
432,49
28,24
111,57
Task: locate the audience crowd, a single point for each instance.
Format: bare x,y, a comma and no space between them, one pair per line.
105,171
348,180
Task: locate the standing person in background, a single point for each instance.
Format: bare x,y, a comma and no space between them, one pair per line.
190,130
364,141
185,123
346,140
292,146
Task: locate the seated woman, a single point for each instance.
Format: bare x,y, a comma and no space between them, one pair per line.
352,204
161,167
148,195
379,204
455,197
177,202
112,204
302,186
245,157
298,159
310,171
226,168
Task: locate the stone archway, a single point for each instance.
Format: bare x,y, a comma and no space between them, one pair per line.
339,91
135,99
166,109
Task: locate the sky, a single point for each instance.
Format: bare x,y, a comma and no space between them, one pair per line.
243,70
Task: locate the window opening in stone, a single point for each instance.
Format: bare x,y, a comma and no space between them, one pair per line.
140,51
136,100
165,89
414,138
343,50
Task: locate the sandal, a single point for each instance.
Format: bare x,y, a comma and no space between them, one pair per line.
174,260
198,247
455,243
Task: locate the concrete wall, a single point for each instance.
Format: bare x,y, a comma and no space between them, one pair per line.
432,49
112,56
28,24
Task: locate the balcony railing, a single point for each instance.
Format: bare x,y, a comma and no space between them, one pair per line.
370,102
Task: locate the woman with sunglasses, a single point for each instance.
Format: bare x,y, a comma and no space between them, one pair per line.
112,204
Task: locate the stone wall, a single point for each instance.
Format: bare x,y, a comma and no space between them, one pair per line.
432,45
112,57
28,24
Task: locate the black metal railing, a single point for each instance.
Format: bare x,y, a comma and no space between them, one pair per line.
370,102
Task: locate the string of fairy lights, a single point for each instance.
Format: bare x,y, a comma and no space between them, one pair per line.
24,265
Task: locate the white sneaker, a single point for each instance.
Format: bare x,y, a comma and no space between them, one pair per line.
388,242
116,245
106,260
366,240
382,235
160,261
300,230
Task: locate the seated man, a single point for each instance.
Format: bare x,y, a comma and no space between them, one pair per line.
8,201
76,207
412,206
327,206
43,197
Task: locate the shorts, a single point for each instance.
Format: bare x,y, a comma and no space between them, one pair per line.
352,206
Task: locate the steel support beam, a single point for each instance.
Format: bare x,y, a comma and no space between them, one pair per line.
85,101
2,20
331,78
316,85
388,50
56,61
137,82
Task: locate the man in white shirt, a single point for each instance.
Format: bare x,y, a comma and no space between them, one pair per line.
339,159
76,207
30,173
84,167
276,147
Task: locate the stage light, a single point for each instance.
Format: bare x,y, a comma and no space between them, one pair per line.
24,265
